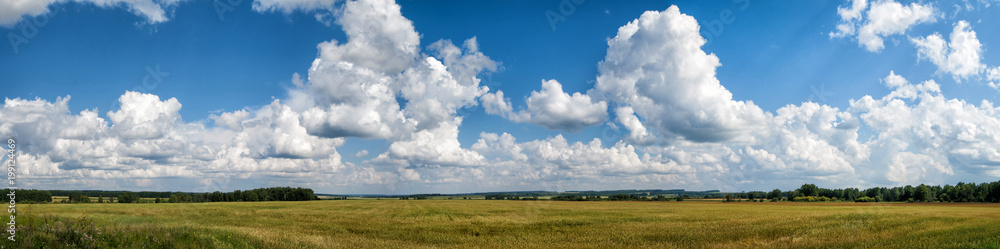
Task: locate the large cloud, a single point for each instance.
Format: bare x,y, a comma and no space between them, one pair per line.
883,19
665,87
56,143
146,139
352,88
915,123
655,65
379,86
671,102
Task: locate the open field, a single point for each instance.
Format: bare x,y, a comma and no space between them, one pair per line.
482,223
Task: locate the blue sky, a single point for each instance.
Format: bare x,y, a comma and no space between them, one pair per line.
784,106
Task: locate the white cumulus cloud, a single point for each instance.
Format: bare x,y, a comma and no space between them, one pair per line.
993,74
352,88
154,11
960,57
361,153
655,65
289,6
555,109
431,148
884,18
918,119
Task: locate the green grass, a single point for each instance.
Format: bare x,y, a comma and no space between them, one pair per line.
493,224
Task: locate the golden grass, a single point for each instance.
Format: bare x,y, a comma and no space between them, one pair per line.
548,224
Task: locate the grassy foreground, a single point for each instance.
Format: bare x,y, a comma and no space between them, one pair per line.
481,223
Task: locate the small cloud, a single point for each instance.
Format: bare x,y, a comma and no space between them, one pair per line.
883,19
961,56
362,153
558,110
12,12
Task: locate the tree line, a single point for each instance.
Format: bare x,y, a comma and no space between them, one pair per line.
617,197
105,193
27,196
260,194
961,192
508,196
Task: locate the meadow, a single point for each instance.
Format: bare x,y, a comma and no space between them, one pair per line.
501,223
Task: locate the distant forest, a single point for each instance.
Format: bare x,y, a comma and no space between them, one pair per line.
961,192
85,196
260,194
27,196
635,194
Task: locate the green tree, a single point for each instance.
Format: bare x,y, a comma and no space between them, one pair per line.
908,193
78,198
809,190
923,193
128,197
776,193
944,197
